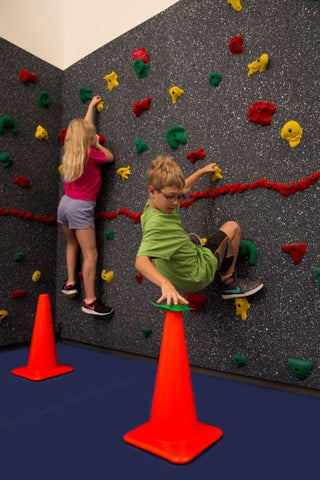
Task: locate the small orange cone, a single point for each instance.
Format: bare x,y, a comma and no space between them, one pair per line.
42,362
173,431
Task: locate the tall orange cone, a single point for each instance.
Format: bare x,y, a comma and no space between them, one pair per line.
173,431
42,361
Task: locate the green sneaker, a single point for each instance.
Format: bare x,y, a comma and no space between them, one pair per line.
234,287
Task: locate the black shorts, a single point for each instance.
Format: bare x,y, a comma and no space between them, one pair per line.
220,246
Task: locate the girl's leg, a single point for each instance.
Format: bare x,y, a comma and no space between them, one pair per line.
233,232
72,250
87,241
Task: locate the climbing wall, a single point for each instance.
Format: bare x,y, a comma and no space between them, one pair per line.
29,154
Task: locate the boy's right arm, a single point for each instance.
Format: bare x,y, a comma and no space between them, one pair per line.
168,291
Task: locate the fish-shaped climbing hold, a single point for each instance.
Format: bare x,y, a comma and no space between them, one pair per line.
36,276
5,159
112,80
217,175
141,53
100,106
26,76
292,133
139,107
8,123
43,99
236,4
176,136
259,65
107,276
261,113
242,307
215,79
23,182
236,44
141,68
41,133
175,92
124,172
196,155
3,314
197,300
296,250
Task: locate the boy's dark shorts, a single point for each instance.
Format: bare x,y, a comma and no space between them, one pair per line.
221,247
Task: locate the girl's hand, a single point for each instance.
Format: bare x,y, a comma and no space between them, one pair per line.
210,168
95,100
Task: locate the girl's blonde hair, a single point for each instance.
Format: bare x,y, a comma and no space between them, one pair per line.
79,137
164,172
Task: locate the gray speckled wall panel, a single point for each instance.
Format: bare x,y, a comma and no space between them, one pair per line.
38,161
185,44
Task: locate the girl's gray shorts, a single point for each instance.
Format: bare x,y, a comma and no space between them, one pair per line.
76,214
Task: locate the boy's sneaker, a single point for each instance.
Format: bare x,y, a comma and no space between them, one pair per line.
69,289
96,308
234,287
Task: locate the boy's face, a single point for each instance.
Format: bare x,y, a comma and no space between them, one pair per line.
166,199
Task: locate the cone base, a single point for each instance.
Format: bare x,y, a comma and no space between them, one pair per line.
176,452
40,374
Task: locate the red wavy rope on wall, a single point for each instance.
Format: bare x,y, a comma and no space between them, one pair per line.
285,189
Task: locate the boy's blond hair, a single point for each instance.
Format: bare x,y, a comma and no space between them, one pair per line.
165,172
79,137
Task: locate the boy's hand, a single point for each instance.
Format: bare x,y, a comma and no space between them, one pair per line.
170,294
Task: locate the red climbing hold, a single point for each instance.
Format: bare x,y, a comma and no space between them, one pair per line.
102,138
139,107
18,293
22,182
141,53
25,76
138,277
260,113
196,300
236,44
62,135
296,250
197,155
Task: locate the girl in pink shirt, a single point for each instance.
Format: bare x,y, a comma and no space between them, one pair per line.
82,159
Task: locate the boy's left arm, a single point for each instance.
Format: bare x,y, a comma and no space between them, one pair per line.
193,179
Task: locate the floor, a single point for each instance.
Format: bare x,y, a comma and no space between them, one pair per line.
71,426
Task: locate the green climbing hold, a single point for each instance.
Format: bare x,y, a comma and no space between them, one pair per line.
6,159
240,359
18,257
317,272
215,79
176,136
172,308
147,331
110,234
8,123
140,146
85,94
141,68
248,249
44,99
300,368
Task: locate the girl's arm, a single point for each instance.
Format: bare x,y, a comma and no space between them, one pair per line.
98,146
193,179
91,108
168,292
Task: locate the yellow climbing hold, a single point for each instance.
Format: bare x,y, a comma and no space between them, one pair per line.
217,174
203,241
100,106
259,65
242,306
175,92
60,168
107,276
236,4
292,132
124,172
41,133
3,314
112,80
36,276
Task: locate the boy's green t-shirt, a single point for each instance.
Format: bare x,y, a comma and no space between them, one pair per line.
189,267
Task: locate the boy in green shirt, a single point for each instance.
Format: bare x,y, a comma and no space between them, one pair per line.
167,255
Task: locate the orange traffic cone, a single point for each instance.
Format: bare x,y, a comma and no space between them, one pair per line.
173,431
42,362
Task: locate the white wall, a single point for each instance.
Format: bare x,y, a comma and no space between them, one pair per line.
62,32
